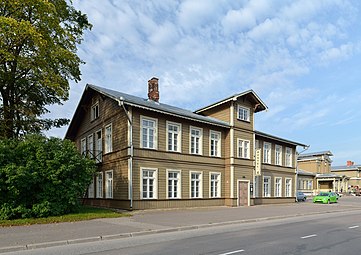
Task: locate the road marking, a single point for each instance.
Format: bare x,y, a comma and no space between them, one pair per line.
232,252
353,227
305,237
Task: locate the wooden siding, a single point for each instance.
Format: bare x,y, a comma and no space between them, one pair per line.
241,124
221,112
273,175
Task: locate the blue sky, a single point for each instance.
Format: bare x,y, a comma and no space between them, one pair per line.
303,58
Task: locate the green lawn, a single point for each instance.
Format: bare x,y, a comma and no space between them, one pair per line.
85,213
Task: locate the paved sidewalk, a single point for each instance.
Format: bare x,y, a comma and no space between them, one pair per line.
153,221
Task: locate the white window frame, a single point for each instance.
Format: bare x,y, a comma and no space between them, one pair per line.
217,152
99,146
91,145
83,147
278,187
200,187
109,183
99,185
91,189
267,152
155,183
288,157
108,138
243,113
267,192
216,192
278,155
179,183
155,133
288,187
94,112
171,135
200,141
256,186
243,148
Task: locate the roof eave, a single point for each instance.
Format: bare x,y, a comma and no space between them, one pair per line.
280,139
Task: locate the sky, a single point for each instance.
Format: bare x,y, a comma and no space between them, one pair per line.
302,58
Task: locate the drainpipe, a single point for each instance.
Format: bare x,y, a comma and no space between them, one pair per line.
296,180
121,103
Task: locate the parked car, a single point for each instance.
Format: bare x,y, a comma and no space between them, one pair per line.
301,196
326,198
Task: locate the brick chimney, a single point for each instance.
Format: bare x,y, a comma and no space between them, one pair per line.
350,163
153,92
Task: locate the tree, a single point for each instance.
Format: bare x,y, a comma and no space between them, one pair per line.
38,44
41,176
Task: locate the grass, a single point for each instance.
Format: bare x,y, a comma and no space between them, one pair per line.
85,213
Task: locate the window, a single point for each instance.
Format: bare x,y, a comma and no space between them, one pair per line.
278,155
196,184
215,185
91,189
149,183
278,187
109,184
256,185
91,146
108,139
288,157
148,133
94,111
266,186
288,187
99,146
243,148
215,143
267,153
174,137
83,147
195,140
243,113
100,185
174,184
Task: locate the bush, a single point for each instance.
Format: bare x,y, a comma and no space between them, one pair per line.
41,177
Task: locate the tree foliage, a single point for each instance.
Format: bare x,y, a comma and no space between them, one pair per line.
41,177
38,44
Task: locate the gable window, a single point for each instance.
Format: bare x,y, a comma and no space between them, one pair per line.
288,187
149,183
288,157
83,147
109,184
148,133
243,113
266,186
266,153
99,146
99,185
278,187
91,146
278,155
243,148
108,139
215,185
215,143
196,185
174,185
195,140
173,136
94,111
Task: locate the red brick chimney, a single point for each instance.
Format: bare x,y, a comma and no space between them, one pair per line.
350,163
153,92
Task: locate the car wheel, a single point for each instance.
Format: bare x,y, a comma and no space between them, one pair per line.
304,199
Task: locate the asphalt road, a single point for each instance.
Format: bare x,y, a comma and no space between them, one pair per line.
332,233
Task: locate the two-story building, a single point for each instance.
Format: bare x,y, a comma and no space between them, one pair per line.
154,155
352,171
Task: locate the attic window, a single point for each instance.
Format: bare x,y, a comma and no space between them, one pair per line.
95,111
243,113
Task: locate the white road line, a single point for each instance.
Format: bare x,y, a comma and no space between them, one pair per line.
232,252
353,227
304,237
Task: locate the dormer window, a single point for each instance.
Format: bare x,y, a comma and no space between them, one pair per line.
243,113
94,111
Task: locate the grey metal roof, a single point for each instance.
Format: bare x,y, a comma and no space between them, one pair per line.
327,175
303,172
259,133
158,107
312,154
345,168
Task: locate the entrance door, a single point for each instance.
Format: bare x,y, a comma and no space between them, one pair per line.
243,193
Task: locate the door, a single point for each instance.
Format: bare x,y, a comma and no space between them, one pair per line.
243,193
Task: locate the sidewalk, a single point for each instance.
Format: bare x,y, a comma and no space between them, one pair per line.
153,221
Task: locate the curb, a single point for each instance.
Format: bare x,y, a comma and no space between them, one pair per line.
149,232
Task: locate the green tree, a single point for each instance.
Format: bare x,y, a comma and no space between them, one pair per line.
38,44
41,176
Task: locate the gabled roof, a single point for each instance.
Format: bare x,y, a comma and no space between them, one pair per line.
260,104
313,154
261,134
345,168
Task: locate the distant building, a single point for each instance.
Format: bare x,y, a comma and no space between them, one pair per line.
352,171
